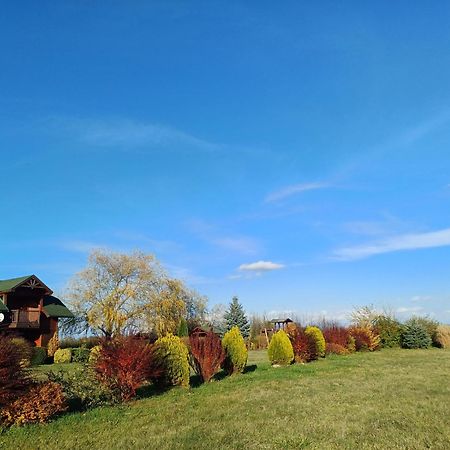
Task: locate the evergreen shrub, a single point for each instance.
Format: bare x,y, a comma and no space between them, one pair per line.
316,334
62,356
80,355
172,359
415,335
236,353
38,356
280,349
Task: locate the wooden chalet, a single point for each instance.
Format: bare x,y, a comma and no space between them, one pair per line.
28,309
280,324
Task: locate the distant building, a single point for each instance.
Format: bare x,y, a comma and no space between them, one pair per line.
280,324
28,309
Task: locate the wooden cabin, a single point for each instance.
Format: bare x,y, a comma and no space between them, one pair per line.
28,309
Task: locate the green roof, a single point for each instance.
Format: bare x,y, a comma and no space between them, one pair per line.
3,308
54,307
8,285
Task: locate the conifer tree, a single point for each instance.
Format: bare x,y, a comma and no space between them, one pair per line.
235,317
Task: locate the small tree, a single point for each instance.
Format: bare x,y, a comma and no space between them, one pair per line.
280,349
415,335
235,350
235,317
183,329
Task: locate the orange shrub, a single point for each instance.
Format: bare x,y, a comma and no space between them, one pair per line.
42,402
337,349
365,338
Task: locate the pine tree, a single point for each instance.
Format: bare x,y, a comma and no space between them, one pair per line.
235,317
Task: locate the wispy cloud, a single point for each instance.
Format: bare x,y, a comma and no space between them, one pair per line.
126,133
213,235
416,241
421,298
293,189
409,309
261,266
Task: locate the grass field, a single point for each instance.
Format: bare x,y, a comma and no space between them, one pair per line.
393,399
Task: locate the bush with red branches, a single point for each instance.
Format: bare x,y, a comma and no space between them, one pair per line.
335,334
123,365
207,354
13,378
305,349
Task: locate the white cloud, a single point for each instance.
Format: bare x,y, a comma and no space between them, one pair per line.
409,309
432,239
261,266
292,190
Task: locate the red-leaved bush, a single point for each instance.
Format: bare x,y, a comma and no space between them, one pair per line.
334,334
123,365
304,346
207,354
13,378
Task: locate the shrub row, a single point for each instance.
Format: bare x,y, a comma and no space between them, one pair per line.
113,372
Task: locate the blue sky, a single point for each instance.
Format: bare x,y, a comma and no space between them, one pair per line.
296,156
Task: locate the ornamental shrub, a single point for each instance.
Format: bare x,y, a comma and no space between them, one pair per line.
183,330
93,354
415,335
62,356
172,361
82,389
207,354
336,349
25,349
280,349
304,346
53,345
365,339
39,356
429,325
351,344
123,365
316,334
335,334
443,336
389,330
80,355
39,404
236,353
13,377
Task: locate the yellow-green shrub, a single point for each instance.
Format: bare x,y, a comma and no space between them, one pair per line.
280,349
171,356
62,356
316,334
442,337
94,354
236,351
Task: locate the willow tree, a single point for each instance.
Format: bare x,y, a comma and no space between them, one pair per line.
120,293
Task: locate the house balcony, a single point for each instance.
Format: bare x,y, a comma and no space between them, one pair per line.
25,318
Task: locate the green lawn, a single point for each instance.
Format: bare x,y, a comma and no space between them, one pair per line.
386,400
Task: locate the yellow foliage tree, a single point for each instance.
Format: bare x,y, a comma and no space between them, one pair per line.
120,293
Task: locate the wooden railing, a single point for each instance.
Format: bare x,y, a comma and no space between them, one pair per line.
25,318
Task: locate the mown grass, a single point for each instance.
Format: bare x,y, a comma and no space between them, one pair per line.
393,399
